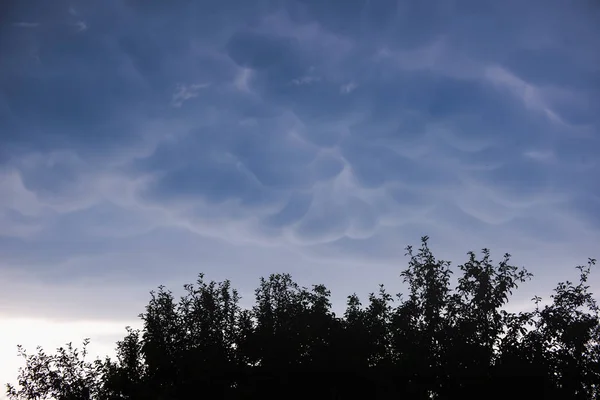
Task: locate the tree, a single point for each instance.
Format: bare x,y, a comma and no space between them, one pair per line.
64,375
439,341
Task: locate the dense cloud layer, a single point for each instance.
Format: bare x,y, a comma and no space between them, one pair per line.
340,131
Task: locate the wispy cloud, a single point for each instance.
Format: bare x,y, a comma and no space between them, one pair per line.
26,24
305,80
187,92
348,87
528,93
242,80
540,155
81,26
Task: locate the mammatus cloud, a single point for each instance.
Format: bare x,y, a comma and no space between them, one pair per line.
284,147
305,137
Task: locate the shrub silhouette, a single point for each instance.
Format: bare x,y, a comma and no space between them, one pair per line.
439,342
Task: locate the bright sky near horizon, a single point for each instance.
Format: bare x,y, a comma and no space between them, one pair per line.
143,142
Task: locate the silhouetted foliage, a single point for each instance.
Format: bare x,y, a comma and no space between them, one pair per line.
439,342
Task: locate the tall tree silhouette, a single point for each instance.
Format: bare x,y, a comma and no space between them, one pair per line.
446,338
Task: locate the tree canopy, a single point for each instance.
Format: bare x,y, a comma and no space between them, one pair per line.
446,338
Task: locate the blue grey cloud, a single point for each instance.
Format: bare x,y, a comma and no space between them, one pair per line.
143,133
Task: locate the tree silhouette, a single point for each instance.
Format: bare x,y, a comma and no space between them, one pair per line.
437,341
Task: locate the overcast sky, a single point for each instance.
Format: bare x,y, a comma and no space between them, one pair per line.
143,142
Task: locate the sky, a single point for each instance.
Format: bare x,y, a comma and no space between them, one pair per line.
144,142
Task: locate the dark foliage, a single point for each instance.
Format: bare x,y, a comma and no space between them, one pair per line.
438,342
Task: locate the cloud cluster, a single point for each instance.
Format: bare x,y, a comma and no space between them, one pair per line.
336,132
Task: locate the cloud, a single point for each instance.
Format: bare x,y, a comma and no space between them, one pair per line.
348,87
305,80
521,89
269,137
540,155
26,24
242,80
81,26
304,137
186,92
